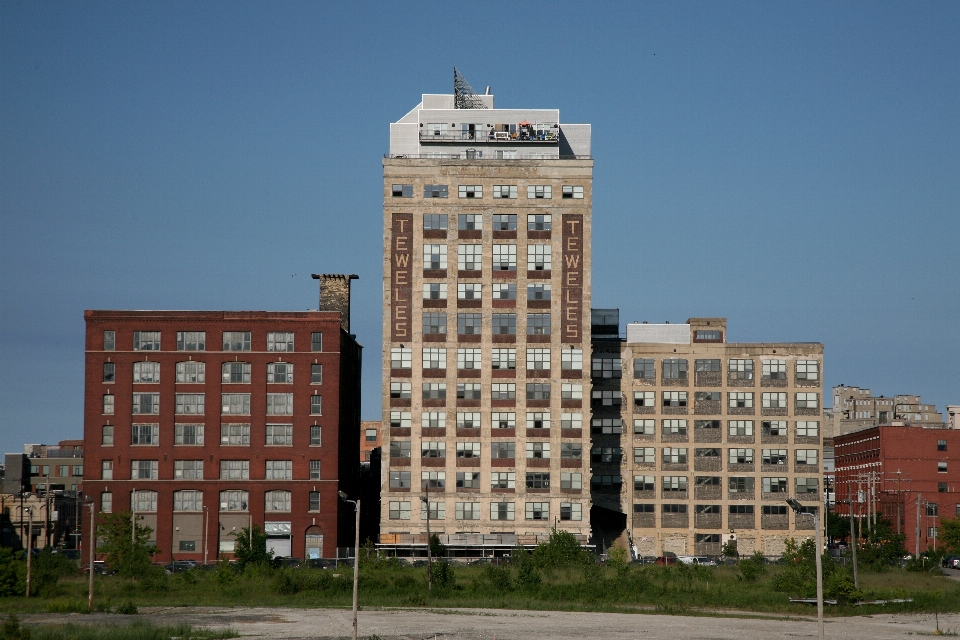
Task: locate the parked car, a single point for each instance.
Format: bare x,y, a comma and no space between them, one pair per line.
180,565
99,567
666,560
951,562
703,561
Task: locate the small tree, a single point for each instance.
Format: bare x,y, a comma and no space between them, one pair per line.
729,549
251,547
950,533
128,552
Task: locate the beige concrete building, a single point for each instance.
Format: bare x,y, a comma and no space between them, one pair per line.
697,440
855,409
487,229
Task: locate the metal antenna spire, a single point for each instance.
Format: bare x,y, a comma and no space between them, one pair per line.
464,97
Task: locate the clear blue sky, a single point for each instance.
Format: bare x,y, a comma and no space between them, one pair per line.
794,167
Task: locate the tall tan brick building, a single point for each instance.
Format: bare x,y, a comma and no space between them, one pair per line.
487,228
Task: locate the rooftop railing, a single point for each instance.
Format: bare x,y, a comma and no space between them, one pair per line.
545,136
479,156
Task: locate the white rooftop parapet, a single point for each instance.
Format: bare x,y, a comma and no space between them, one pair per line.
658,333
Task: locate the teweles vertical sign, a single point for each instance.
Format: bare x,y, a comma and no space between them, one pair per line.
572,300
401,276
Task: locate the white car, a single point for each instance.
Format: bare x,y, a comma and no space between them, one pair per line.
703,561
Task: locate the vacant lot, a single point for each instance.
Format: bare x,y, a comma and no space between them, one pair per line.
489,624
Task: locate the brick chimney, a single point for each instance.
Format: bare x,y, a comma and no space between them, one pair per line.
335,294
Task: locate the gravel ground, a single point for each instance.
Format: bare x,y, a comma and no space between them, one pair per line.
490,624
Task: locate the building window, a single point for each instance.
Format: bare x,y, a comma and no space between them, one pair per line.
738,484
674,398
434,391
708,335
774,485
774,510
504,359
504,191
571,391
610,455
808,401
434,191
540,191
941,445
606,426
146,341
148,434
941,467
741,456
740,399
740,369
191,340
399,479
674,427
775,456
774,370
643,369
538,359
808,486
470,191
607,368
401,357
316,405
571,480
573,191
280,341
538,511
707,365
433,480
503,222
504,323
504,257
433,420
400,390
644,399
503,480
432,449
144,501
741,509
434,291
808,428
191,372
740,427
673,484
400,420
506,291
402,191
106,470
675,455
315,435
313,501
279,435
538,420
109,372
399,510
279,470
773,400
106,499
571,450
539,222
809,457
190,404
503,450
538,292
234,469
146,372
188,434
538,451
435,323
503,420
434,358
188,469
469,257
279,404
106,435
316,341
773,428
468,358
674,369
277,501
109,340
435,222
468,391
279,373
469,420
236,341
468,449
470,222
468,511
808,370
400,449
644,455
538,324
143,470
236,373
643,427
235,434
316,374
501,511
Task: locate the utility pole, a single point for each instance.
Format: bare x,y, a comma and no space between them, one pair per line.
918,527
29,546
206,529
133,519
798,511
93,545
853,538
356,557
426,487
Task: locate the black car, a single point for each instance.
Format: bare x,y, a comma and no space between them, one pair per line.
180,565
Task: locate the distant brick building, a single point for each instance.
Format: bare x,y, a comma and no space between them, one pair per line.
370,438
901,470
209,421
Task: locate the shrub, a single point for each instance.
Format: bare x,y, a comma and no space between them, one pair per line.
127,609
751,568
13,571
443,577
562,550
11,629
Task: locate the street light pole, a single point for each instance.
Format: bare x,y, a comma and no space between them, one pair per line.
29,547
356,557
429,552
797,509
93,545
206,529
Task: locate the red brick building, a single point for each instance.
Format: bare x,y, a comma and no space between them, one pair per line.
220,419
893,470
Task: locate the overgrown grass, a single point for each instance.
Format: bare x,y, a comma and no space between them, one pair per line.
673,590
137,630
